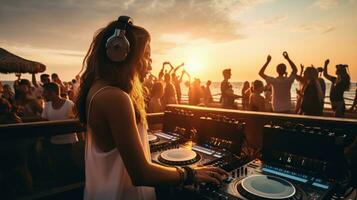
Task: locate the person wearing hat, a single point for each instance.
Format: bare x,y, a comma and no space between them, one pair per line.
227,92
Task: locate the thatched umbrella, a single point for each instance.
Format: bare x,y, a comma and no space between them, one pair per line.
11,63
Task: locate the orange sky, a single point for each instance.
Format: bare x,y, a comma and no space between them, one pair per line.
207,36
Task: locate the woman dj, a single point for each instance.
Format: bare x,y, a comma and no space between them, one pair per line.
110,102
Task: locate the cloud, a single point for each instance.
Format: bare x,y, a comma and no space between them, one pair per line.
325,4
315,27
267,23
69,24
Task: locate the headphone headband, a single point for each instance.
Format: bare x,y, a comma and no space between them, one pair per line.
117,45
124,21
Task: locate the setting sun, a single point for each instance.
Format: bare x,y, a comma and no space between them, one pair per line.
193,67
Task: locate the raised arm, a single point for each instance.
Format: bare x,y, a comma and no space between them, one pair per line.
262,70
293,66
300,76
171,67
326,75
301,69
178,67
189,76
127,139
182,73
161,73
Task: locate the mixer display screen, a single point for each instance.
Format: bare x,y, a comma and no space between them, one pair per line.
283,174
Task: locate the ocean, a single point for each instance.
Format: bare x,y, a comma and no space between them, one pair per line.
237,86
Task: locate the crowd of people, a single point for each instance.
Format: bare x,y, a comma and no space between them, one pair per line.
277,90
49,100
28,102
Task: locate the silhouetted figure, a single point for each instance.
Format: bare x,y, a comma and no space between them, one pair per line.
320,71
169,96
299,91
281,85
207,96
245,98
339,85
227,92
176,80
195,93
312,98
155,104
256,100
268,97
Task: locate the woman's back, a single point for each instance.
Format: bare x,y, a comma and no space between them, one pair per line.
106,175
312,101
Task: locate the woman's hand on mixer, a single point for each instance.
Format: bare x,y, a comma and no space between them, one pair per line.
210,175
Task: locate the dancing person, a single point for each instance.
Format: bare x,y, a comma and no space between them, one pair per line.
339,85
207,95
169,96
281,85
256,100
227,93
268,97
300,79
155,104
245,97
320,71
177,81
111,103
195,93
312,98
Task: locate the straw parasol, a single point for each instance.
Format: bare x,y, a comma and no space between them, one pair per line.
11,63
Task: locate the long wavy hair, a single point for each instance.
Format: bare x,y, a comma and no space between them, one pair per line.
343,76
124,75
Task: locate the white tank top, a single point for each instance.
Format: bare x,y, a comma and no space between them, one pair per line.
106,175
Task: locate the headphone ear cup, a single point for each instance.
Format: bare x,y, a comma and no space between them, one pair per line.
118,48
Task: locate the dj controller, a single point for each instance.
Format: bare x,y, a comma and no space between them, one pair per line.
289,168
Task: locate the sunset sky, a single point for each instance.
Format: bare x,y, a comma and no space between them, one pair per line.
207,36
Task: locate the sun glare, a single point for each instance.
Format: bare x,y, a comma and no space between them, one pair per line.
193,67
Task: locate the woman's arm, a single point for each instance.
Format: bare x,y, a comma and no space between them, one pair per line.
326,75
262,70
292,64
119,108
178,67
171,67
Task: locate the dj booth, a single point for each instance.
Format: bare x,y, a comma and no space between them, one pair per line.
268,156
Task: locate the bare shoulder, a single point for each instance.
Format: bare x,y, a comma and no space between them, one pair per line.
112,98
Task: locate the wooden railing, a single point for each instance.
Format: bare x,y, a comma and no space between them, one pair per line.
12,134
